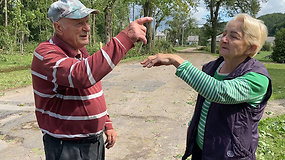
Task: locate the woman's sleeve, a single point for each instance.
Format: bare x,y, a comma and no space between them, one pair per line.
238,90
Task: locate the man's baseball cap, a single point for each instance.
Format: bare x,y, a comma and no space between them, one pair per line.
72,9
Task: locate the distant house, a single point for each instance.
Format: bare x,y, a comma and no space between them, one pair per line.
270,40
218,38
160,36
192,40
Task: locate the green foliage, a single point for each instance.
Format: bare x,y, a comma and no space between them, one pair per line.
274,22
278,54
139,50
163,46
180,27
266,47
272,139
6,41
208,48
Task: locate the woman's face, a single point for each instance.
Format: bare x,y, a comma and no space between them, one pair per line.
233,45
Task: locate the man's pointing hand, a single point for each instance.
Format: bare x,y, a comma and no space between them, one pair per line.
136,31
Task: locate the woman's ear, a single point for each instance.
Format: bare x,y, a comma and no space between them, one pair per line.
251,50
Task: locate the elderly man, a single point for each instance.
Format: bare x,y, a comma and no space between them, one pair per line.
70,105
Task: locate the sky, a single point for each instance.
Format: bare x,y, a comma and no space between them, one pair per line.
272,6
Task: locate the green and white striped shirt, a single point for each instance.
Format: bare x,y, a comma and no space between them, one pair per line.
249,88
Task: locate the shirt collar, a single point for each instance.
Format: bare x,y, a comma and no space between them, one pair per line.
69,51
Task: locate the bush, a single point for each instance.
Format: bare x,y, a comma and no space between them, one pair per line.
267,47
163,46
278,54
208,48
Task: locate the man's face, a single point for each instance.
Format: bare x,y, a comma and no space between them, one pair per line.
75,32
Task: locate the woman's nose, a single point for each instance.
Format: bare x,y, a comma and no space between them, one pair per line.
224,39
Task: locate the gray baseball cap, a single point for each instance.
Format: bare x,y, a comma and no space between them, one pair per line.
72,9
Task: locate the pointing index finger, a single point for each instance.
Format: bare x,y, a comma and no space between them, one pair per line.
144,20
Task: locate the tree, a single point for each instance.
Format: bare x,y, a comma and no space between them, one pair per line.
274,22
108,19
278,54
180,27
230,7
160,9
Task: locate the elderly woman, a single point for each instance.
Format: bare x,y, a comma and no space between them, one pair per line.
233,92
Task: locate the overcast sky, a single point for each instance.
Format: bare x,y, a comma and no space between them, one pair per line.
272,6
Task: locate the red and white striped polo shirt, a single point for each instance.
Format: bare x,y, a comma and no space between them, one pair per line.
68,94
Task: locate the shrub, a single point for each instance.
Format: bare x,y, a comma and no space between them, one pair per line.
267,47
278,54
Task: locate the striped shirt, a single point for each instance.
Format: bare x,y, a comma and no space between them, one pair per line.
68,94
249,88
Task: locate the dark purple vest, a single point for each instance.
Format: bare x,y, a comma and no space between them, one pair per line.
231,131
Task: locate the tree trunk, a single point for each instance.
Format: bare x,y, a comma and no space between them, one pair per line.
22,43
16,32
133,11
92,39
6,14
94,30
214,21
108,20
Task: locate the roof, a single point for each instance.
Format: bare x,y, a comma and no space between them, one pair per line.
270,39
193,38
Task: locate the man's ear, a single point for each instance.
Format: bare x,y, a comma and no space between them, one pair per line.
58,28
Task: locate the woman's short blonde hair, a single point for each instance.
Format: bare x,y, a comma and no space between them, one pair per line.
254,30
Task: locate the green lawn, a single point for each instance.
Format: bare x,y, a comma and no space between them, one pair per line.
276,71
272,139
10,62
264,56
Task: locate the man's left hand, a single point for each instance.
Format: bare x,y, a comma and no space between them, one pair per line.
136,31
111,138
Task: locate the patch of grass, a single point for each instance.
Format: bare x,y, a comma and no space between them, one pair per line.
15,79
264,56
136,58
151,120
276,72
272,138
180,48
12,62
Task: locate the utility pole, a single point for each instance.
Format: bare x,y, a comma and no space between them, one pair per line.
154,32
133,11
182,34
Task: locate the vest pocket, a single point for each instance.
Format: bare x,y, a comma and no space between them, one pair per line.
239,150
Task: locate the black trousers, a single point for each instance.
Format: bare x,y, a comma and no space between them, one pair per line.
91,148
197,152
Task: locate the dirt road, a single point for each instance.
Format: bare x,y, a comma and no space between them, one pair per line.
150,109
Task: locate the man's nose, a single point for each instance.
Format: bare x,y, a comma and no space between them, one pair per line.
86,27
